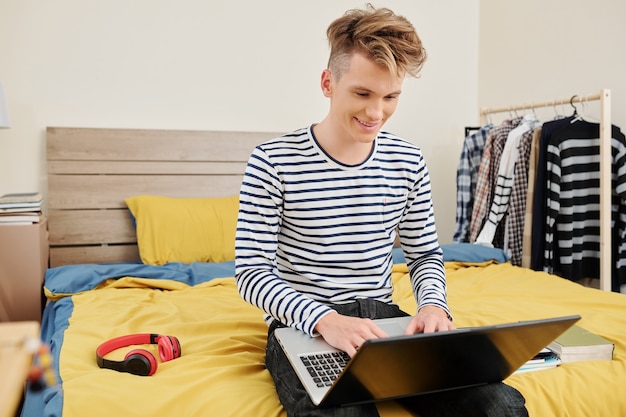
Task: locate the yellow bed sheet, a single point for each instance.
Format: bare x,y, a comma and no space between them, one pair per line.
221,369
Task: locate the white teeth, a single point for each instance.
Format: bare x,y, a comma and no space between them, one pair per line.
366,124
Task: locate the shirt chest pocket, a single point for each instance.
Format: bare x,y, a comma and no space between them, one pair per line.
392,208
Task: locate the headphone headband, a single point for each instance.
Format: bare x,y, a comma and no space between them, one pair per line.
138,361
128,340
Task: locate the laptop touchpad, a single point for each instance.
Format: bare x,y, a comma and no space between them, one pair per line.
393,328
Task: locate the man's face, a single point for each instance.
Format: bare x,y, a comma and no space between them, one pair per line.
362,99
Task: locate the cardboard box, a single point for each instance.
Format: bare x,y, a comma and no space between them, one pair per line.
23,263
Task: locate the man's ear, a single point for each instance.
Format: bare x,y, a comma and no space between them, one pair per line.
327,82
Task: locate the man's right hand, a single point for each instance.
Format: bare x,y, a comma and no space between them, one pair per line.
347,333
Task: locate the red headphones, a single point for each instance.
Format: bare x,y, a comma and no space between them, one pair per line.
138,361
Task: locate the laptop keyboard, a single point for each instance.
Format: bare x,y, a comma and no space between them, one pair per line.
324,368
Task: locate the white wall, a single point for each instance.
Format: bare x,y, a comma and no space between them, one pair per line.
536,50
251,65
220,64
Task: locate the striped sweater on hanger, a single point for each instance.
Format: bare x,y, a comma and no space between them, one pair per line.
572,247
313,231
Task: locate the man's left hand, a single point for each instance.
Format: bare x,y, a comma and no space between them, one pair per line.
429,319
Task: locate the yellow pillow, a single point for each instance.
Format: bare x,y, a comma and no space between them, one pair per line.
184,229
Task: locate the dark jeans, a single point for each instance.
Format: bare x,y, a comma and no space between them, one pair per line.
493,400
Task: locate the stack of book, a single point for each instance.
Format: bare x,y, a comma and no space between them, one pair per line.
575,344
545,359
20,208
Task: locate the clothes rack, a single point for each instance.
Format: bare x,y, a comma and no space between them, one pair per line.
605,166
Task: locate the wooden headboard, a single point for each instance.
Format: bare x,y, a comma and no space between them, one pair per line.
91,171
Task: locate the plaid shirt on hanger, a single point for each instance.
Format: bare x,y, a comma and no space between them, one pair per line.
466,177
517,206
489,166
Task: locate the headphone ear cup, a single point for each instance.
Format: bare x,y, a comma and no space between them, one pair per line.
169,348
140,362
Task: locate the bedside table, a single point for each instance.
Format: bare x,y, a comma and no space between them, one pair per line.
23,263
15,361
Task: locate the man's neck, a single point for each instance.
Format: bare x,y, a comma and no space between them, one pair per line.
340,146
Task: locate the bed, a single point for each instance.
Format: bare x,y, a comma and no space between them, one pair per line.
141,226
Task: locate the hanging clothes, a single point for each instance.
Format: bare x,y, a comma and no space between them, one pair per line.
466,177
538,226
504,182
545,244
529,217
489,166
516,217
572,239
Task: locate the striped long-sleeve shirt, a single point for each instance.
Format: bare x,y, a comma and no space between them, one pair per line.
572,247
312,231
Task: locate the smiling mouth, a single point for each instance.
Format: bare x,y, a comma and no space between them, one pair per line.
366,124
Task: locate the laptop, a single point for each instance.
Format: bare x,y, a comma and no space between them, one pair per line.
401,366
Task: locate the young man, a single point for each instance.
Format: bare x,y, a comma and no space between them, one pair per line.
319,211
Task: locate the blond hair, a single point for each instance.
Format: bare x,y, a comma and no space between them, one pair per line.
386,38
